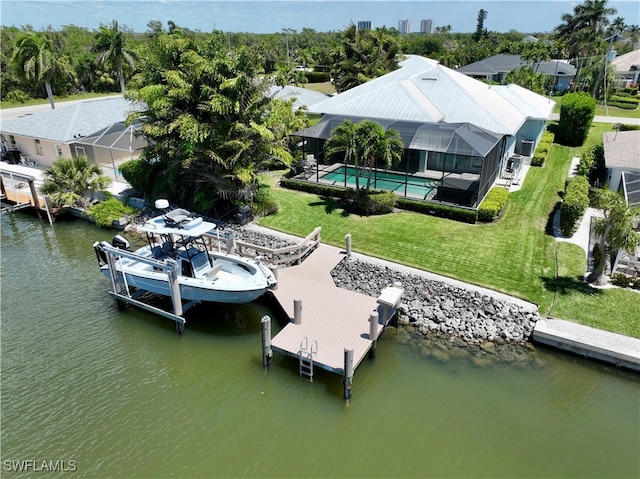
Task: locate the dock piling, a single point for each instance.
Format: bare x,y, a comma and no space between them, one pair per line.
348,240
267,353
297,311
348,373
373,333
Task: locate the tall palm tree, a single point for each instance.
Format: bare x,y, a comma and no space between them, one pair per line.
112,51
70,181
364,145
615,231
33,59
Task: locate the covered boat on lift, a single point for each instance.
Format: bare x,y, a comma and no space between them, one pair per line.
179,249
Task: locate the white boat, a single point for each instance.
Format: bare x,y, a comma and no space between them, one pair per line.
177,250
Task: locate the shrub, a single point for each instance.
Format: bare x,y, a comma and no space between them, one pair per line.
137,174
538,159
263,203
492,204
317,77
17,96
576,202
373,202
591,160
576,114
465,215
625,281
108,211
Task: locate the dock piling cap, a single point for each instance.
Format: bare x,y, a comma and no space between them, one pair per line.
161,204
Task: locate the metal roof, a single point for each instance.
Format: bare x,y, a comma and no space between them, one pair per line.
459,138
66,125
504,63
424,91
622,149
303,96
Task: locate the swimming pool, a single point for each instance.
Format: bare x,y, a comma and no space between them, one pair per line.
405,185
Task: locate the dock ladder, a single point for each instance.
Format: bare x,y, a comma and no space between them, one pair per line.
305,356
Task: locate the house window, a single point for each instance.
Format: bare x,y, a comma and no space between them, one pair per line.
58,151
12,142
39,151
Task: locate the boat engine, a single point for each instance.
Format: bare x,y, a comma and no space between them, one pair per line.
120,242
100,253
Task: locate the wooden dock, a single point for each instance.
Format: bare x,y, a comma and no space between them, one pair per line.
332,320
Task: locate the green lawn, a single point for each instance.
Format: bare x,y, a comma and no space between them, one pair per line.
515,255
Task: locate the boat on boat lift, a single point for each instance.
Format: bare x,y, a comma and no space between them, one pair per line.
177,251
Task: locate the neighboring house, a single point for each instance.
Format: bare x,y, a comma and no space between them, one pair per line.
622,161
627,69
303,96
456,130
496,68
93,128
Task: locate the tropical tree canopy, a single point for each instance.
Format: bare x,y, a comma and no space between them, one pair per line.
111,49
34,59
205,115
71,181
364,55
365,145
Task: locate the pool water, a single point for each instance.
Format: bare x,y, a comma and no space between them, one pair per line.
405,185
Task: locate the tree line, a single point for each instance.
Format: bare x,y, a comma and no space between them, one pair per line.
37,64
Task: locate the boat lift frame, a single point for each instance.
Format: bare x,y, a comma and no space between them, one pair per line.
121,289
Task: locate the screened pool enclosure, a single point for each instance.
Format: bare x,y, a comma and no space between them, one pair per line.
451,163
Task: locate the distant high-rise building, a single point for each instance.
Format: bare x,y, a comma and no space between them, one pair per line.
404,26
364,25
426,26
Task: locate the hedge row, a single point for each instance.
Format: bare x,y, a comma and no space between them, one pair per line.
575,203
441,211
623,105
434,209
624,99
542,150
493,204
317,77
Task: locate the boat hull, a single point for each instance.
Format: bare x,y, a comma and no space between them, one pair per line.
190,292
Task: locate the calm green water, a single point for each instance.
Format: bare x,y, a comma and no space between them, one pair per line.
121,395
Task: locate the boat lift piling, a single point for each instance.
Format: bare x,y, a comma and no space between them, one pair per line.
267,353
121,288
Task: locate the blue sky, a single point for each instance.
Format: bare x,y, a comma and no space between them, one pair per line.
266,16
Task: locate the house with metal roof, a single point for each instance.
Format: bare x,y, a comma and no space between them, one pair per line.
94,128
496,68
458,132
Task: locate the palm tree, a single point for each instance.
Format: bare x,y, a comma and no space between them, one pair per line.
615,231
111,50
33,59
70,181
363,145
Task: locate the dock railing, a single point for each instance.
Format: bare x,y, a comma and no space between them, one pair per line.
274,257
